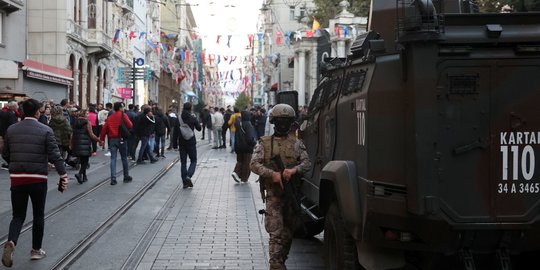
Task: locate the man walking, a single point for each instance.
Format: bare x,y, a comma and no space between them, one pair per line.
116,142
29,146
188,147
217,125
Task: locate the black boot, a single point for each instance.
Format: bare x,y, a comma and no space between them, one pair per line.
79,179
85,179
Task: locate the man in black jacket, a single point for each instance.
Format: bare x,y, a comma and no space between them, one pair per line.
226,116
188,147
29,146
162,125
145,128
175,128
7,118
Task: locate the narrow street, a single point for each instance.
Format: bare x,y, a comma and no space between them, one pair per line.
215,225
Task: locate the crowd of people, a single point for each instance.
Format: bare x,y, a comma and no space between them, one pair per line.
65,134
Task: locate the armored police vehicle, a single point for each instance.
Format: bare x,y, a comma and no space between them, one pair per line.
425,142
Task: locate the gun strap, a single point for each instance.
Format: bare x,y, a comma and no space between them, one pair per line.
272,146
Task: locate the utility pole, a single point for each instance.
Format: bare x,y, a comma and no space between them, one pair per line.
134,70
252,71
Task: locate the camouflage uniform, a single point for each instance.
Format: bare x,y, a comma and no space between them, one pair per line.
280,217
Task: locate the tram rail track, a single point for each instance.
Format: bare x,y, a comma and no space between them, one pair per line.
27,226
78,250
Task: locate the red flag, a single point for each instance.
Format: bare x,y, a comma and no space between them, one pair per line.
250,37
131,35
187,56
279,38
336,29
309,33
218,37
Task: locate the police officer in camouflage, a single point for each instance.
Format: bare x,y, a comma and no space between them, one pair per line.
281,219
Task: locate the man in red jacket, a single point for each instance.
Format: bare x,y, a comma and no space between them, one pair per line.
116,142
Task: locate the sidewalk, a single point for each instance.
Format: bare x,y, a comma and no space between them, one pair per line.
215,225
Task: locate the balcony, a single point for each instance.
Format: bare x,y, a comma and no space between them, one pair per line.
126,5
11,5
99,43
76,31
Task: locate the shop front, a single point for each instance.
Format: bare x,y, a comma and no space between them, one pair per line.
46,83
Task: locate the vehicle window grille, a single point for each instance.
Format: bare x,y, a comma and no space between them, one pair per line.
354,82
463,84
331,89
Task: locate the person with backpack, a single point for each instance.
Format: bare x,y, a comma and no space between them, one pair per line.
188,144
116,142
245,141
62,131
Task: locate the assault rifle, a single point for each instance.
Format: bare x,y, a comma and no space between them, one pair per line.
288,187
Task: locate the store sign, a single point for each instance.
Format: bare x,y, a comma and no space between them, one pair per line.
125,93
49,78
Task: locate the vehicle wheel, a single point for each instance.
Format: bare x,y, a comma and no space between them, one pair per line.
310,229
340,247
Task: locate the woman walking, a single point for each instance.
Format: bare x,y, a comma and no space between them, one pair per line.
245,141
93,119
81,143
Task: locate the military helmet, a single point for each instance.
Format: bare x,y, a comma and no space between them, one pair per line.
282,110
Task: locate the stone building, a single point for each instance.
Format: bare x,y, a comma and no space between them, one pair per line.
277,19
176,71
334,42
80,35
12,53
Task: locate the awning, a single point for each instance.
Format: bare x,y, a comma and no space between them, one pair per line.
11,5
8,90
48,73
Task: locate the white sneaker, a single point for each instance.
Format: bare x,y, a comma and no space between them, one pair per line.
235,177
37,254
7,257
108,154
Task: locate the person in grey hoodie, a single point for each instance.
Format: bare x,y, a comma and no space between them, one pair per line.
188,147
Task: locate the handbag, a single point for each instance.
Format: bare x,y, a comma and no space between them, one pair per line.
185,130
123,130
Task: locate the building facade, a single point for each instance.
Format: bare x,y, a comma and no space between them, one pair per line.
12,52
278,20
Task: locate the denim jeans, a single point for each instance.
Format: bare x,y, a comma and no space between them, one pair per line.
152,142
145,149
120,145
160,144
185,151
217,137
233,139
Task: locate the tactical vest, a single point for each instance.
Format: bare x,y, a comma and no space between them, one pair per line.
282,147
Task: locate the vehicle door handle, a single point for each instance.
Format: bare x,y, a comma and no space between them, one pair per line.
471,146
